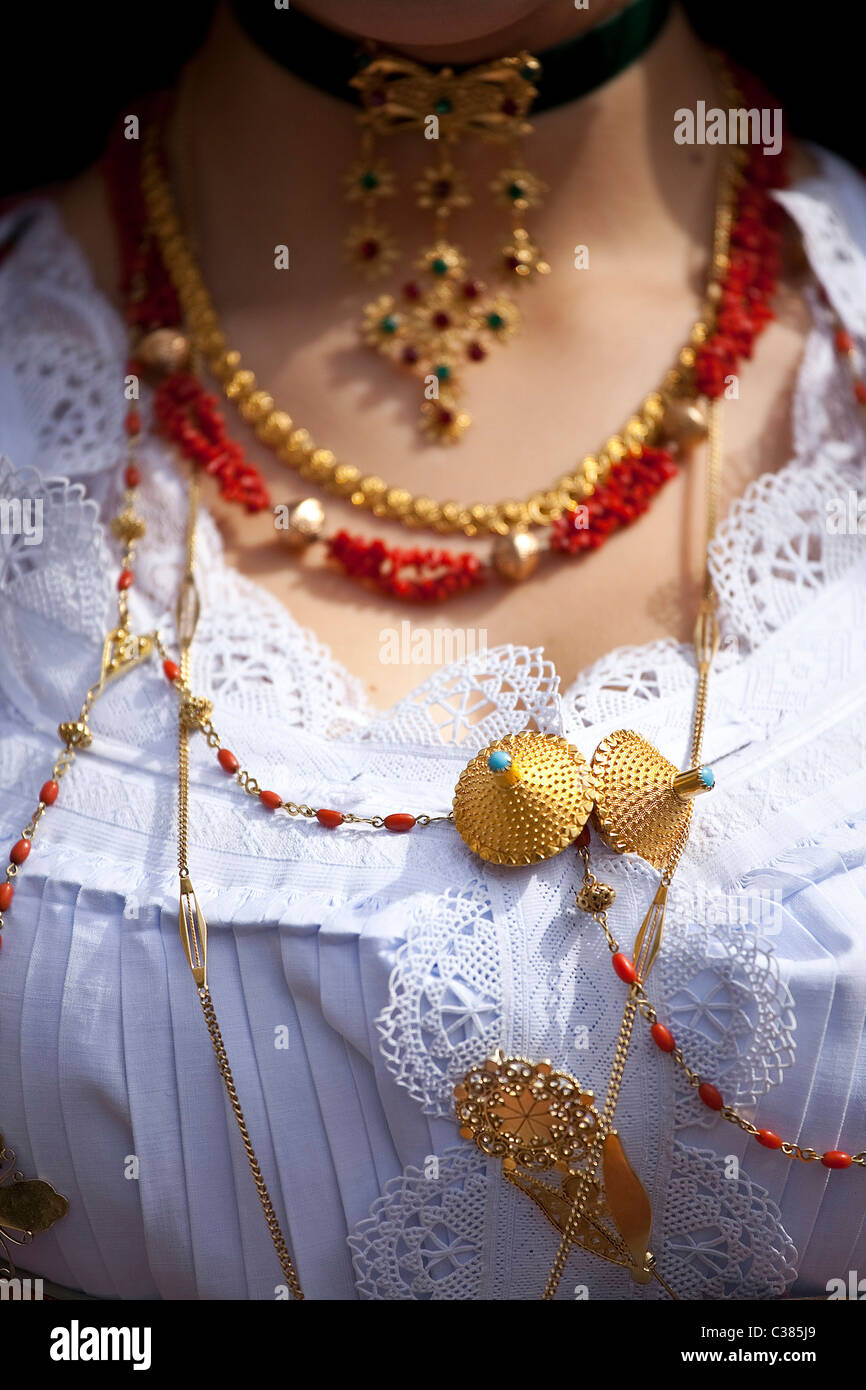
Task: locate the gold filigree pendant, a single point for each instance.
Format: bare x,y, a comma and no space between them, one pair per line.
28,1206
541,1122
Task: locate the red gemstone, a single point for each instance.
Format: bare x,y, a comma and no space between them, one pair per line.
710,1095
412,291
509,107
399,822
475,352
471,289
19,851
124,580
131,476
49,793
624,968
329,819
410,356
446,416
227,761
844,341
270,799
769,1139
133,422
836,1158
369,249
171,669
7,893
663,1037
441,319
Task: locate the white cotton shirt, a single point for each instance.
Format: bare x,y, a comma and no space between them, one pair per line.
357,975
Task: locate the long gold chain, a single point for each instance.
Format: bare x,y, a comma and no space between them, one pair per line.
192,920
649,938
295,447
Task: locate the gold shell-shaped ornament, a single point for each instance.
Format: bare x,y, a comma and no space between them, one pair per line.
528,810
637,810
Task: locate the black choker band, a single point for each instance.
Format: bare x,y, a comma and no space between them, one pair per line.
328,60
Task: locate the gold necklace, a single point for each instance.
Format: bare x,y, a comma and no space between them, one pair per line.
667,413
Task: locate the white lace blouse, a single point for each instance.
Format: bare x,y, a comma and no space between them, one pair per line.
358,975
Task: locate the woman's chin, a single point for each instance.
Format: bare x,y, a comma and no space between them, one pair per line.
420,22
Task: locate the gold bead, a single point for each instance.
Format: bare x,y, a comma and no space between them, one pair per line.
164,350
128,527
257,407
515,556
306,523
595,897
275,428
683,423
75,734
241,385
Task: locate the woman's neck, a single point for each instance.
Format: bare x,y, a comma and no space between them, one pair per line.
250,134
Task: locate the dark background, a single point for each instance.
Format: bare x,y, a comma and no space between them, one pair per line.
70,68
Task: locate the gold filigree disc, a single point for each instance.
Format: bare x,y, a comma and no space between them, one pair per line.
537,813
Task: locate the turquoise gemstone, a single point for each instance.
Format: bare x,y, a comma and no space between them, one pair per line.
515,190
707,776
369,180
443,371
495,321
499,760
439,266
388,324
442,107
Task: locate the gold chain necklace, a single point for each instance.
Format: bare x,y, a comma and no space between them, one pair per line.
665,413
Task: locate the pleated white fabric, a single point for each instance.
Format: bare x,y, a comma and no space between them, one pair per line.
357,975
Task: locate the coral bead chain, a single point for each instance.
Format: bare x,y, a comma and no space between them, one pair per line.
708,1093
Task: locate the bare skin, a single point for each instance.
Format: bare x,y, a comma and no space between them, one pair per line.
257,160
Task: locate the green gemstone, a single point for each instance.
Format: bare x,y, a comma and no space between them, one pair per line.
516,190
443,371
442,107
369,180
495,321
439,266
388,324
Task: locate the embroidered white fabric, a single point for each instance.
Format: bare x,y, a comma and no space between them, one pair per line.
358,975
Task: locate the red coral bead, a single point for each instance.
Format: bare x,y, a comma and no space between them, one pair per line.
860,392
836,1158
329,819
271,800
710,1095
399,822
844,341
769,1139
124,580
50,792
624,968
7,893
131,476
227,761
171,669
663,1037
19,851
